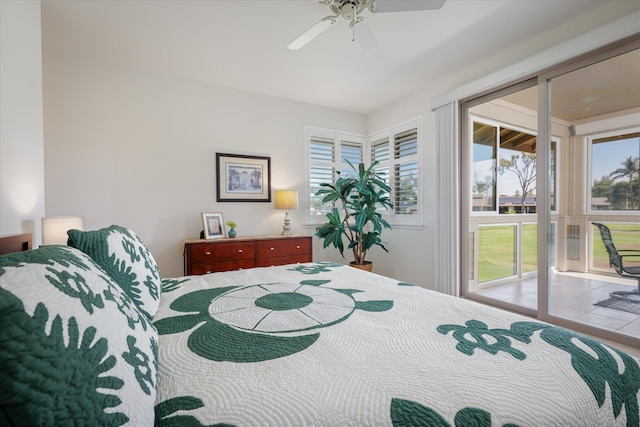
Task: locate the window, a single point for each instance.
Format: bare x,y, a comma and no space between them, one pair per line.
504,169
327,152
396,150
615,172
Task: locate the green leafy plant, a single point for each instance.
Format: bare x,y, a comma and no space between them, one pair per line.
359,197
231,224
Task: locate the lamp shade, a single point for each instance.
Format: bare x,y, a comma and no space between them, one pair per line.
54,229
286,199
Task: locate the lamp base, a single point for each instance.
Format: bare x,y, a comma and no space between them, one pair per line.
286,228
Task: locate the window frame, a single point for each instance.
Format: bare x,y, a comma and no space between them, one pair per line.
390,135
497,186
366,143
336,164
617,132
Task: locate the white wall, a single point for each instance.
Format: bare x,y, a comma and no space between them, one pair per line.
21,132
137,149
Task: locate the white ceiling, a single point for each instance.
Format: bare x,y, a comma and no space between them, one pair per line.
242,43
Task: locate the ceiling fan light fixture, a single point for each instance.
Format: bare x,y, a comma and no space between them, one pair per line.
350,11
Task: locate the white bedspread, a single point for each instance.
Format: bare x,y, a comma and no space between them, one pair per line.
326,344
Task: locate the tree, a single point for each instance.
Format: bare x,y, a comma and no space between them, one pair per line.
485,187
232,180
256,178
602,187
620,195
630,167
524,166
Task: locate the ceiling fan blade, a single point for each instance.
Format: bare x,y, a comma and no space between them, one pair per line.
313,32
365,38
407,5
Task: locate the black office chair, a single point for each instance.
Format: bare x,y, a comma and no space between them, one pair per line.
616,260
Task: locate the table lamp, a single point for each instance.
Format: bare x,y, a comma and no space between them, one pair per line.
286,199
54,229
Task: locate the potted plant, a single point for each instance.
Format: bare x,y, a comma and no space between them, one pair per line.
360,195
232,229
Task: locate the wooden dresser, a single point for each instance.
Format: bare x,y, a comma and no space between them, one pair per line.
209,256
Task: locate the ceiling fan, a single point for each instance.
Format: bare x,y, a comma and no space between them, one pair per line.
350,10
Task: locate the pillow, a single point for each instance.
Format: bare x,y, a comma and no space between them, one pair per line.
74,349
127,260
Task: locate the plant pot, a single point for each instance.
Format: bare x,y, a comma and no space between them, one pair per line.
231,233
367,266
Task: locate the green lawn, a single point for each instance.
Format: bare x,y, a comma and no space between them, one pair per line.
497,251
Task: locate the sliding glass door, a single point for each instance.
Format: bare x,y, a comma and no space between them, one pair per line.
501,198
598,99
541,161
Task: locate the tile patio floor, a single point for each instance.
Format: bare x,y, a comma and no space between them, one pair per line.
572,296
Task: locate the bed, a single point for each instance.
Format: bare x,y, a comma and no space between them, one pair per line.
315,344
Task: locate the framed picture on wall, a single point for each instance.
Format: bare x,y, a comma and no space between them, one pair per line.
213,225
243,178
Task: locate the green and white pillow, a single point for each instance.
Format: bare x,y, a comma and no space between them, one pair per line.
74,348
127,260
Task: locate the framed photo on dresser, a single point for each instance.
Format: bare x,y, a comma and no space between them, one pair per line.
213,225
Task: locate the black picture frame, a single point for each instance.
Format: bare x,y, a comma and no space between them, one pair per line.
241,178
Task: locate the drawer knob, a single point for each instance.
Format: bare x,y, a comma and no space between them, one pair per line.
208,253
208,271
239,251
297,246
271,249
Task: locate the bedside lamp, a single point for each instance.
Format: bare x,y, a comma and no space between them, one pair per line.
54,229
286,199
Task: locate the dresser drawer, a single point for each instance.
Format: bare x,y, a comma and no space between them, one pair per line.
210,256
282,260
283,247
216,252
206,268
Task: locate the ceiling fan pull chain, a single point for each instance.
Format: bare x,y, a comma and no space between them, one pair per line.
353,28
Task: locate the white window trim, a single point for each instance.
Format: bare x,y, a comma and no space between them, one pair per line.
337,136
589,140
498,124
408,221
400,221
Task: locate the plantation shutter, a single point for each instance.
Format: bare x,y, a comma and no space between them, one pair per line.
327,153
352,151
322,156
380,153
406,179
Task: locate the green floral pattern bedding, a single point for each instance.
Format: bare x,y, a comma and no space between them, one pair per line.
123,255
74,348
326,344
